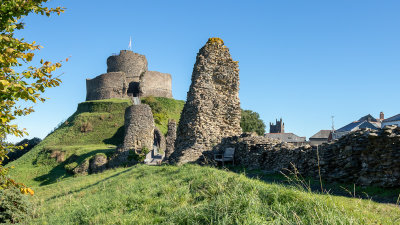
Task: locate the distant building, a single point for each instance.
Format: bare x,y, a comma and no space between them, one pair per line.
278,127
367,121
394,120
323,136
287,137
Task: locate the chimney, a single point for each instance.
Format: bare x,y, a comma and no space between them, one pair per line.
381,116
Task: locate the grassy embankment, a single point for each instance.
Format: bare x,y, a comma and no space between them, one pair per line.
195,195
96,127
167,194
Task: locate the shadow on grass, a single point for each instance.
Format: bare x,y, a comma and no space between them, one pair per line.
92,185
376,194
59,171
117,138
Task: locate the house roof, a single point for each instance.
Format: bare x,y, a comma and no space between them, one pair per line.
368,118
321,134
285,137
367,121
358,125
393,118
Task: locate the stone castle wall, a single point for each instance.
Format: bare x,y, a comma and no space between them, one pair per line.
127,75
212,110
105,86
132,64
365,157
153,83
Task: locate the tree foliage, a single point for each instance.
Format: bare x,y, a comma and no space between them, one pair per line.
251,122
19,80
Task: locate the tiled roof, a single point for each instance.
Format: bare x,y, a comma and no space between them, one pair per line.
285,137
393,118
322,134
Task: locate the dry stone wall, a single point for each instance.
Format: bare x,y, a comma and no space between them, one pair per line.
212,110
105,86
364,157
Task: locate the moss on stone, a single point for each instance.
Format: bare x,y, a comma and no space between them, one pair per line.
215,40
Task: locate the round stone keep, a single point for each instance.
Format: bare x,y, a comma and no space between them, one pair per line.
132,64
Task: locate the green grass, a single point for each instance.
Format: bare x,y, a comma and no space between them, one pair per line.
106,118
377,194
192,194
142,194
163,110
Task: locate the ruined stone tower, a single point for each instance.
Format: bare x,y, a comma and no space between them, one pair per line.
212,110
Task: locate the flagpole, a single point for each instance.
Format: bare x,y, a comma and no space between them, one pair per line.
130,43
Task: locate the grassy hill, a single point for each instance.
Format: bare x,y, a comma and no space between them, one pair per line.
142,194
193,194
95,127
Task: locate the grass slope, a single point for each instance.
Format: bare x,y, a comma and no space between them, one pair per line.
167,194
104,120
192,194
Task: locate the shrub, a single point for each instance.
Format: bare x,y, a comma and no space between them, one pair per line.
140,157
70,167
86,127
14,206
159,118
44,157
156,106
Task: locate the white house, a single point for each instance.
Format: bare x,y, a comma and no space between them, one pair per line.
394,120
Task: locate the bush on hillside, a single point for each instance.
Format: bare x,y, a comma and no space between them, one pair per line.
251,122
156,106
14,206
86,127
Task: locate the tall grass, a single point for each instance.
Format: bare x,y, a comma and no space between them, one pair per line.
195,195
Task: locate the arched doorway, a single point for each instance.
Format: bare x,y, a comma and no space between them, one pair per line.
133,89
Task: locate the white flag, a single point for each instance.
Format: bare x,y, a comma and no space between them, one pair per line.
130,43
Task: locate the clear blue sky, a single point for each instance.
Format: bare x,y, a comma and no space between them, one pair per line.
303,61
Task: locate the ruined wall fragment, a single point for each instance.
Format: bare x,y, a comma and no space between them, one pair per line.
212,110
